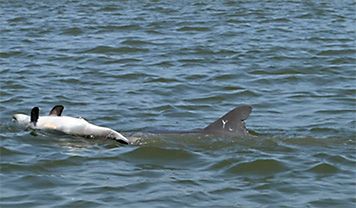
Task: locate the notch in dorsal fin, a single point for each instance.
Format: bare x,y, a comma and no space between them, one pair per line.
231,123
34,115
56,110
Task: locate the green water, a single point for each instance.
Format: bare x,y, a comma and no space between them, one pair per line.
139,65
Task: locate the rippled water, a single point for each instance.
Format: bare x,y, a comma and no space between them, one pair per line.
135,65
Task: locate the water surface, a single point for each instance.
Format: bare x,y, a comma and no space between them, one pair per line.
136,65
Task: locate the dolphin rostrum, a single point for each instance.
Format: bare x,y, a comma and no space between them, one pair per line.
66,124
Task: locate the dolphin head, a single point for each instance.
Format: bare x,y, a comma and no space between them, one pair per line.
117,136
21,119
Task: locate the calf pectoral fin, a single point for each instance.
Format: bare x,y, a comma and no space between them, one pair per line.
34,115
56,110
231,123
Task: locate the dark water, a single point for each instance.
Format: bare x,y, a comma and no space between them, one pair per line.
134,65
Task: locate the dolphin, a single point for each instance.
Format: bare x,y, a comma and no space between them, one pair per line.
66,124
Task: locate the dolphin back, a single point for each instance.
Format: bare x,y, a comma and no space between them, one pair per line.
232,123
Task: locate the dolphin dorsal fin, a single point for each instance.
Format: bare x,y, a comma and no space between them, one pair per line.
56,110
34,115
231,123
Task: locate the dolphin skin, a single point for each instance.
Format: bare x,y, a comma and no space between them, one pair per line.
230,124
66,124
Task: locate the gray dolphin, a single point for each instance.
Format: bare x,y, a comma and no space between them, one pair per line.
66,124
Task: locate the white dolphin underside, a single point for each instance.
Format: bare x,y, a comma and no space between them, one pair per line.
70,125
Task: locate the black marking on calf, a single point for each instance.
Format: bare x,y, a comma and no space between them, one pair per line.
34,115
56,110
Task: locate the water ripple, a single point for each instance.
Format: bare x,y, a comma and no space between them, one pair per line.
324,168
259,167
109,50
